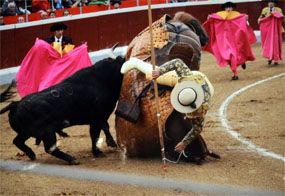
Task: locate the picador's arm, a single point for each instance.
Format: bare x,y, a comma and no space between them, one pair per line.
197,127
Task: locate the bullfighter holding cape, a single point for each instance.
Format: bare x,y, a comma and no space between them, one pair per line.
271,29
230,38
48,64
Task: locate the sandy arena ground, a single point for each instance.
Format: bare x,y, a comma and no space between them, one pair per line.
257,114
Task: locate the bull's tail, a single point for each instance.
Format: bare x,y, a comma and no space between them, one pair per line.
4,96
9,107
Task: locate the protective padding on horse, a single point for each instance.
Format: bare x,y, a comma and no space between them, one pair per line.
142,138
132,136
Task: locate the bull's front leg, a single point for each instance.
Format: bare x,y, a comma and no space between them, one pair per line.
94,134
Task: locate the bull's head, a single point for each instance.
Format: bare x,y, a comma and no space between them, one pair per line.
110,68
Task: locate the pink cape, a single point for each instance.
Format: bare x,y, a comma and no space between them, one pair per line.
230,40
43,67
271,36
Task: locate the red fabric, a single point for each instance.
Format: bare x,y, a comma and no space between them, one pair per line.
271,36
230,40
34,17
94,8
11,19
38,5
43,67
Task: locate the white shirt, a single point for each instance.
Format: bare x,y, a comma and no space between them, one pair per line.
271,9
59,40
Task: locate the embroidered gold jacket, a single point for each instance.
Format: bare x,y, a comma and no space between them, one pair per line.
197,117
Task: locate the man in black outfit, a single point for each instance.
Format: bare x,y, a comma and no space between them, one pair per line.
57,29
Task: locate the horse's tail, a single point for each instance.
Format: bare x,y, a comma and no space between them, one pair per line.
214,155
11,106
4,96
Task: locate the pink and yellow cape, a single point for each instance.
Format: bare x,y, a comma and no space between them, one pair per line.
230,38
45,66
271,36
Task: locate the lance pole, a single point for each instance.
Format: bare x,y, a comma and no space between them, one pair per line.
155,86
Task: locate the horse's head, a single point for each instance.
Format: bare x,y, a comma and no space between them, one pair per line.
186,37
193,24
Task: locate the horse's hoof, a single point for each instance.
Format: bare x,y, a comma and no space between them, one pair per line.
74,162
198,160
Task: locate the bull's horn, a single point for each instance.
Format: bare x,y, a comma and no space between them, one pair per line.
111,53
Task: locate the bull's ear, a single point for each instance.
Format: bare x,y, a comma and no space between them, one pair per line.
111,53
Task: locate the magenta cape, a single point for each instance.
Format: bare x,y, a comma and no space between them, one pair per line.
43,67
271,36
230,40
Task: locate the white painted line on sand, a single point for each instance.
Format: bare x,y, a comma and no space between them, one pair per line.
223,118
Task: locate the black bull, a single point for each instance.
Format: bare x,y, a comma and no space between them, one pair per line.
87,97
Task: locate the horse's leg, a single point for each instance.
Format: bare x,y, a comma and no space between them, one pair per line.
19,141
208,152
49,140
109,139
94,134
175,129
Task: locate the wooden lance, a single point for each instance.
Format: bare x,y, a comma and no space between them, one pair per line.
155,86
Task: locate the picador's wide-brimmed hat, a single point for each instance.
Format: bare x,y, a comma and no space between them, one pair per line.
273,1
228,4
58,26
187,96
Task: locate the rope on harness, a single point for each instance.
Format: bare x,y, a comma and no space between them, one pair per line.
178,160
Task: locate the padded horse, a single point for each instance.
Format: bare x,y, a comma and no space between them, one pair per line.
181,37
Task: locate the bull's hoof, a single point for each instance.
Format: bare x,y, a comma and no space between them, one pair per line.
111,143
74,162
32,157
98,153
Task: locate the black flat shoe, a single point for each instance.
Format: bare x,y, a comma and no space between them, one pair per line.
269,62
243,66
235,78
276,63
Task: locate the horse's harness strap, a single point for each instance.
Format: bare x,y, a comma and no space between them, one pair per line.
177,29
143,93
